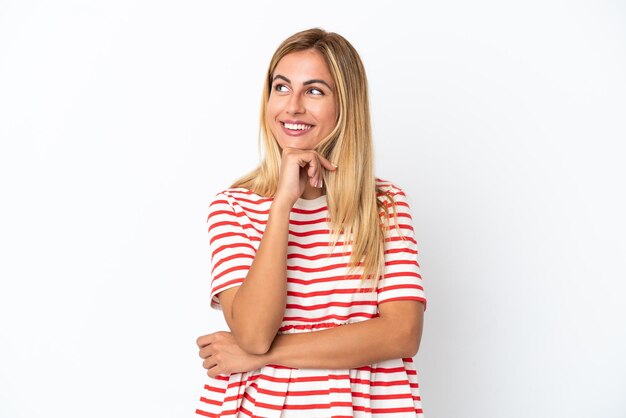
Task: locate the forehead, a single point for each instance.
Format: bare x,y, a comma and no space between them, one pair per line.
304,65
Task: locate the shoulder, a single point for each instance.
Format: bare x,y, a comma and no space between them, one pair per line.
238,196
388,192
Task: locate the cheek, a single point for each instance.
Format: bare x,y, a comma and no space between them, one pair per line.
270,108
329,115
270,112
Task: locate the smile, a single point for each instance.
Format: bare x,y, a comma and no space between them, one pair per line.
297,126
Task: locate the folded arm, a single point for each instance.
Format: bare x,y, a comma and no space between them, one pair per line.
396,333
254,310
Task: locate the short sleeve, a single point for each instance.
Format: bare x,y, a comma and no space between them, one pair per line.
230,247
401,279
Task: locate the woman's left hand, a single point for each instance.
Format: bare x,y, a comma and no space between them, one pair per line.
222,355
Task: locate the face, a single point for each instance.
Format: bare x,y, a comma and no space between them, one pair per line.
302,106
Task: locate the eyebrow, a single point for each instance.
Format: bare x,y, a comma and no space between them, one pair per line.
306,83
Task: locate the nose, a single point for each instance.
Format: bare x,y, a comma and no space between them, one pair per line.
295,105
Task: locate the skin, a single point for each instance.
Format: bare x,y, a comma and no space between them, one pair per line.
302,90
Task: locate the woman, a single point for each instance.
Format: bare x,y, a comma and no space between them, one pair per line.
314,260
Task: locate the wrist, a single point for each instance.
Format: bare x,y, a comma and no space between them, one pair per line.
271,357
264,359
281,206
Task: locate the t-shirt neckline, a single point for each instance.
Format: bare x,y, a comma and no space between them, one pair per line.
310,203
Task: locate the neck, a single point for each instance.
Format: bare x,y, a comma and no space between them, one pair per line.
311,192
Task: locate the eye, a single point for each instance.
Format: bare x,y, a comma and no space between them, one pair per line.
316,92
280,88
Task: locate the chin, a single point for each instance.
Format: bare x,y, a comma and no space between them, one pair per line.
295,144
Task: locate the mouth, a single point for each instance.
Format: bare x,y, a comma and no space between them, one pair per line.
296,127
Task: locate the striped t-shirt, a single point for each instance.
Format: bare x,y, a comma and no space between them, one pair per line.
320,295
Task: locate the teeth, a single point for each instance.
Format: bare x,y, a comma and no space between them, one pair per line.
297,126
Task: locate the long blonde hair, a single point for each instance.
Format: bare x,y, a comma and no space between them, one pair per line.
353,206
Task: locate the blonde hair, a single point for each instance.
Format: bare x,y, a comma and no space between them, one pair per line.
353,207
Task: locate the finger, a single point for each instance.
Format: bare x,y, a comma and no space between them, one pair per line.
327,164
319,177
203,340
206,351
214,371
303,158
209,363
314,166
314,172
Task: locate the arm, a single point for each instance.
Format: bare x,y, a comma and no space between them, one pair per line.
254,310
395,334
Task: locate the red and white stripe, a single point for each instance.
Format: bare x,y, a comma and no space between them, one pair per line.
320,294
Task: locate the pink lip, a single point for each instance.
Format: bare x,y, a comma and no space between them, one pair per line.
300,122
292,132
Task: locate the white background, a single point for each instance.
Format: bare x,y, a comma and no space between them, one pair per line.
503,121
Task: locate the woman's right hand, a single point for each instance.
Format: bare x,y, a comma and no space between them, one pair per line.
297,167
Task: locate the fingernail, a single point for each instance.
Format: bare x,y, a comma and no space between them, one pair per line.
334,165
320,184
